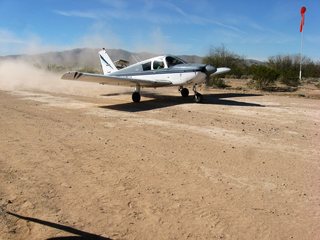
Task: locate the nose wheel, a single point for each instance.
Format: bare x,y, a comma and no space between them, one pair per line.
136,97
136,94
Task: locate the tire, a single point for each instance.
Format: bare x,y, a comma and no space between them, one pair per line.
184,92
136,97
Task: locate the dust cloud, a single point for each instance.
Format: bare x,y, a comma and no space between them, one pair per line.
19,75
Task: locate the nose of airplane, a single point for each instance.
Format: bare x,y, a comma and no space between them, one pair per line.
210,69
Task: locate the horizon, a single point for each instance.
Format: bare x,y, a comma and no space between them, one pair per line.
254,30
131,52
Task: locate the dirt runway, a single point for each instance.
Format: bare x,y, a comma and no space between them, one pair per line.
94,165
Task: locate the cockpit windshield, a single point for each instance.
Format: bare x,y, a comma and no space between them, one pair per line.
171,61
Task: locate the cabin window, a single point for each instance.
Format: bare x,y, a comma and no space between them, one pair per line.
134,68
171,61
146,66
158,64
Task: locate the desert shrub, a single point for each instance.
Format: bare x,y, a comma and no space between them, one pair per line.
87,69
217,82
222,57
245,76
55,68
288,67
263,76
311,69
290,80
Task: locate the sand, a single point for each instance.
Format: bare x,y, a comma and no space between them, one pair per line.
90,164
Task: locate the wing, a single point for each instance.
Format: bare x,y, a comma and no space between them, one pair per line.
113,80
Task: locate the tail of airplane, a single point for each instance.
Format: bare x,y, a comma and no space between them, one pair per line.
106,63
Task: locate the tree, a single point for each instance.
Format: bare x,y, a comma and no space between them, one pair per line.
222,57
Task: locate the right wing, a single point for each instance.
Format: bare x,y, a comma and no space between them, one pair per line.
113,80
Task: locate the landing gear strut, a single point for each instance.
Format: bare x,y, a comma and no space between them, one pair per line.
197,96
184,92
136,94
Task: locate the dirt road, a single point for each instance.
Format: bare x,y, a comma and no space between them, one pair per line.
94,165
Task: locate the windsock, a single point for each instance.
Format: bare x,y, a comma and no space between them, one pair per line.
302,11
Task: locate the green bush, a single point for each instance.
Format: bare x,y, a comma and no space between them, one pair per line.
282,68
263,76
288,66
222,57
217,82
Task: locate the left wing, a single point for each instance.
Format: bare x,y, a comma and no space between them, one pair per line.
113,80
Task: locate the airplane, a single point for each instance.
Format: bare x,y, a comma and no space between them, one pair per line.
161,71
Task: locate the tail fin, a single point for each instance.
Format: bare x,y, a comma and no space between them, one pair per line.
106,63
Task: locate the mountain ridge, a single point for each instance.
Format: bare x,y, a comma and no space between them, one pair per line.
80,58
86,59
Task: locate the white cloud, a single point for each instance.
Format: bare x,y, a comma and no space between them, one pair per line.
160,12
9,37
76,13
30,43
98,36
158,42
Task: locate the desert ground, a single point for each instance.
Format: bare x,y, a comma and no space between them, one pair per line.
81,161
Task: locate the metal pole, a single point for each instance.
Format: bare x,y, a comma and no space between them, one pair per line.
300,73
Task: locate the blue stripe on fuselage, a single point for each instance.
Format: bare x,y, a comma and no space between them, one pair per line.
158,72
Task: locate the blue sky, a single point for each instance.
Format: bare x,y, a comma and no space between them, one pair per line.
253,29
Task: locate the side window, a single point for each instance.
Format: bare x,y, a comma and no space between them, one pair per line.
134,68
146,66
158,65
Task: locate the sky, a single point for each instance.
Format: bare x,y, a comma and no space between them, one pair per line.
250,28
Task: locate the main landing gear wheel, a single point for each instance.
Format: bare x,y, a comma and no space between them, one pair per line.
184,92
136,97
198,97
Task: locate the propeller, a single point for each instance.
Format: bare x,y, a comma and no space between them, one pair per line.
208,70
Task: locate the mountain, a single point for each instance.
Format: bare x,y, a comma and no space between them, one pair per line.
85,58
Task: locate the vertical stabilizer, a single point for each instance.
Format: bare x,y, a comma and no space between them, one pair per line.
106,63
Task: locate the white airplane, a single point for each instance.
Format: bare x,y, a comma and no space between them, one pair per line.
155,72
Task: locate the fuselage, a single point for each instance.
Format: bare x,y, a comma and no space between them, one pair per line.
165,68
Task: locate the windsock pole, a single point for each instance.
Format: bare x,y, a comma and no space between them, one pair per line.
302,12
301,44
